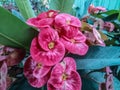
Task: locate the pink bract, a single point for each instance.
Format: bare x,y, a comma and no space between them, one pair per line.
99,40
66,20
76,44
12,56
94,37
64,76
92,9
44,19
39,23
101,9
36,73
46,36
51,57
48,14
109,26
3,75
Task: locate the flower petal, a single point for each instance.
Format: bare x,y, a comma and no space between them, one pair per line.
66,20
37,76
76,45
33,67
40,23
98,38
50,57
3,76
47,35
69,64
56,75
75,48
73,82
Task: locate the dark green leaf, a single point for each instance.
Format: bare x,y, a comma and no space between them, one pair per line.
110,12
106,14
98,57
88,84
111,17
14,32
61,5
22,84
119,16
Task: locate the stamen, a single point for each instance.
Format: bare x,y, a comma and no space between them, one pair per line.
39,65
72,40
51,45
68,21
50,14
64,76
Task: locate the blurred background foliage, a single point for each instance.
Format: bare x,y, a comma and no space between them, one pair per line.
79,9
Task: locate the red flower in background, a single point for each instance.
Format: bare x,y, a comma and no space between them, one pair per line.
12,56
92,9
94,37
36,73
3,75
64,76
109,26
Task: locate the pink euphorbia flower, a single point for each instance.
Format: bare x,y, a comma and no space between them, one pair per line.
76,44
4,52
64,22
36,73
99,40
99,23
3,75
92,9
94,37
64,76
109,26
67,20
43,20
12,56
47,48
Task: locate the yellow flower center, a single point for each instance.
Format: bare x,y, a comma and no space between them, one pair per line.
39,65
72,40
68,21
64,76
51,45
50,14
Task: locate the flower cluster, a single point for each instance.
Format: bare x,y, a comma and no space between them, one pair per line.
8,57
92,9
59,34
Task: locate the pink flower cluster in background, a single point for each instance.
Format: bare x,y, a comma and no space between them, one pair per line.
92,9
8,57
59,34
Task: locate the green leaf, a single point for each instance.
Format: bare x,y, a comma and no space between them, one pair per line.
103,15
61,5
14,32
98,57
25,8
119,16
111,17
